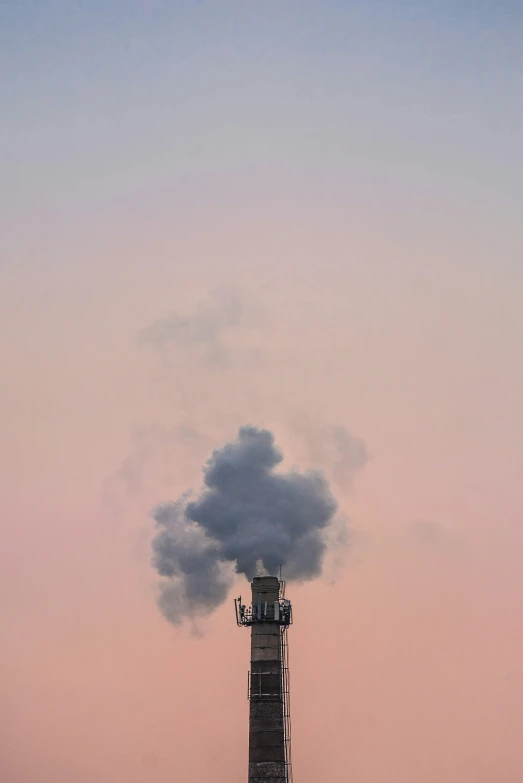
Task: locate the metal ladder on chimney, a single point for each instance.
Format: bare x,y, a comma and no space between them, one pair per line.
286,703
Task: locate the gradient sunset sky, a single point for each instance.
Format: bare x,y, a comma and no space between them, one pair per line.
328,194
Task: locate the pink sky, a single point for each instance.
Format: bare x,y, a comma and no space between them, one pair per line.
409,664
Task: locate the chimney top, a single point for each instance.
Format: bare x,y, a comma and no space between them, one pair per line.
265,581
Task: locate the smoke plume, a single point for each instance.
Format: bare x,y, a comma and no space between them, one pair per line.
247,519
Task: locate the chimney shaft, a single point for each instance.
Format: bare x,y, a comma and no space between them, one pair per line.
269,617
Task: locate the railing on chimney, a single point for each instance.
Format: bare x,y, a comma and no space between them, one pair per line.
262,612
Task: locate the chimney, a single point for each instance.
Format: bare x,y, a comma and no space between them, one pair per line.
269,617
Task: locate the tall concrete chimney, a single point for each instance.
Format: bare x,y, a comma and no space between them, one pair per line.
269,617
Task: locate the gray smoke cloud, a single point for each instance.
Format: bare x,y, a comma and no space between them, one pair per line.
247,519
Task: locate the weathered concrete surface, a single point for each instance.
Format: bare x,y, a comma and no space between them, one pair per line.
275,773
264,639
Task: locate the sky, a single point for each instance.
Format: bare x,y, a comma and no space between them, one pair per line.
328,195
